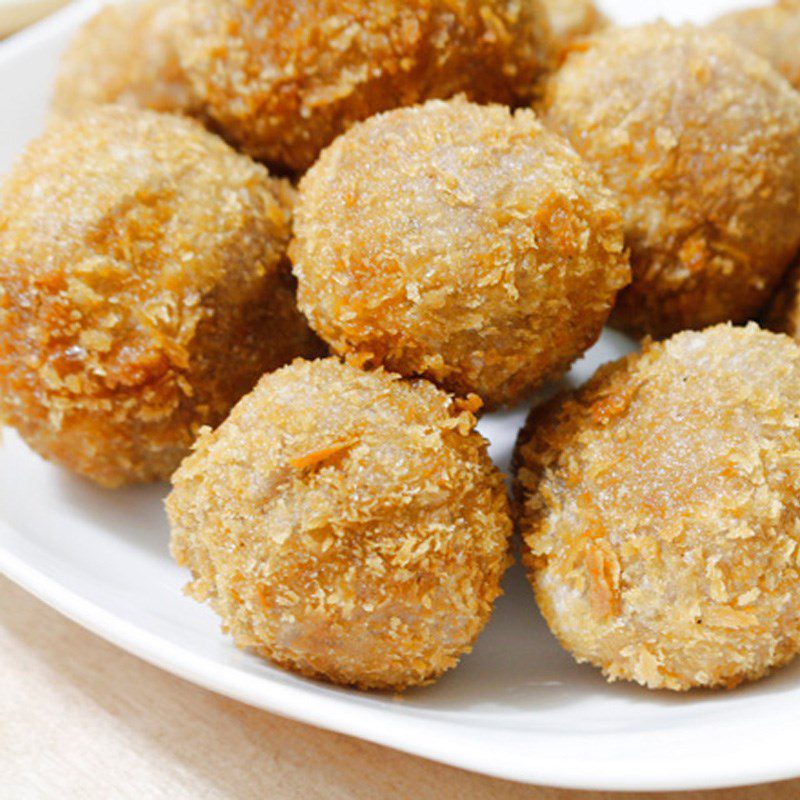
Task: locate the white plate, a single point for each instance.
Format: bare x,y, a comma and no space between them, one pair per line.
517,708
15,14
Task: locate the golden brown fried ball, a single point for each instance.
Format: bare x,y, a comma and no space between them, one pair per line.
283,78
348,525
459,242
143,290
571,20
701,140
770,31
661,512
125,54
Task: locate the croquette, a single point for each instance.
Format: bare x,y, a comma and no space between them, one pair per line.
661,511
346,524
701,141
143,290
570,20
459,242
124,54
770,31
282,78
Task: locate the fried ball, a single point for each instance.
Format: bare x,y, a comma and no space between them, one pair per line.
348,525
661,513
283,78
459,242
124,54
771,31
571,20
705,156
143,290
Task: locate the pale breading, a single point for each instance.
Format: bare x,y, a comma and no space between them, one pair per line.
349,525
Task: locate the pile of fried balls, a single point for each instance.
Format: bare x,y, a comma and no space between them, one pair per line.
284,254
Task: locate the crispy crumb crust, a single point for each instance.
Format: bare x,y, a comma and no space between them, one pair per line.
705,156
143,290
569,21
124,54
459,242
282,78
348,525
771,32
661,511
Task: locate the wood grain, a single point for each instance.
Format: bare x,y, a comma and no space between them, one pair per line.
80,718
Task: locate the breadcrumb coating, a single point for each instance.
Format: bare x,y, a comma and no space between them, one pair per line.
661,513
143,290
771,32
348,525
124,54
701,140
571,20
459,242
283,78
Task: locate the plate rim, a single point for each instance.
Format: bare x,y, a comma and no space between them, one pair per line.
337,714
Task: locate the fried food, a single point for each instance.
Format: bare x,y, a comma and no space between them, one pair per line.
143,290
459,242
348,525
705,156
661,513
571,20
124,54
283,78
771,32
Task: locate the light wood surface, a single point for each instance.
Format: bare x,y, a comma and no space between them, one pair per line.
80,718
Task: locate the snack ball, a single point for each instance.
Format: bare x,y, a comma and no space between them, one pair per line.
459,242
570,20
701,141
769,31
348,525
661,511
283,78
143,290
124,54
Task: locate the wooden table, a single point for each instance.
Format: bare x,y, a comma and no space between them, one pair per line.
80,718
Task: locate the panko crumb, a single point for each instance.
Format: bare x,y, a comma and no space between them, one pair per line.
660,511
571,20
704,155
771,32
143,290
125,54
512,245
282,79
348,525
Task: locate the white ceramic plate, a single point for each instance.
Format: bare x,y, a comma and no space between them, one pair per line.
518,707
14,14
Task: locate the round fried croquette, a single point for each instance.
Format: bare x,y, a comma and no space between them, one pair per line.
143,290
770,31
124,54
283,78
460,242
571,20
705,156
661,514
348,525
